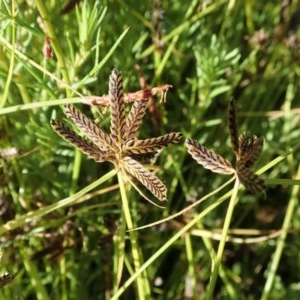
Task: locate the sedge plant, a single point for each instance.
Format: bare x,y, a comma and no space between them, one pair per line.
128,153
247,149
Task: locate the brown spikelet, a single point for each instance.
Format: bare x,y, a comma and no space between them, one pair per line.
232,124
153,144
209,159
88,127
117,108
70,136
250,149
6,278
144,158
134,119
249,179
150,181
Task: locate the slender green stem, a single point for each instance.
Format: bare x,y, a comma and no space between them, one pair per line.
33,215
167,244
217,263
54,41
119,253
143,287
281,240
12,58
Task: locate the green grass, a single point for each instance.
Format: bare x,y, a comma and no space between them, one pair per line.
63,230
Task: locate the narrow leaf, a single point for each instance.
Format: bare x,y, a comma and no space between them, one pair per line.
70,136
209,159
150,181
232,125
117,108
88,127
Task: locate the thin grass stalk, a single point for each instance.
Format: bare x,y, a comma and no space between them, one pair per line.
210,249
168,244
31,269
54,42
281,240
192,273
217,263
33,215
143,287
119,254
12,58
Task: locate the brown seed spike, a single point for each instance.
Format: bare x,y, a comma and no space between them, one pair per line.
232,124
134,119
88,127
209,159
70,136
250,180
250,149
117,108
6,278
154,144
150,181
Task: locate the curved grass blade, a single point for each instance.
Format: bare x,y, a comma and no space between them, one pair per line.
70,136
154,144
150,181
250,180
89,128
117,108
209,159
232,125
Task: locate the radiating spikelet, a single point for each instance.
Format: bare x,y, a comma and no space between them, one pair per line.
134,119
153,144
232,124
209,159
250,149
117,108
150,181
88,127
70,136
249,179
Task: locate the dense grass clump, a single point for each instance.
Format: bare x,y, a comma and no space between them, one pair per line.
68,223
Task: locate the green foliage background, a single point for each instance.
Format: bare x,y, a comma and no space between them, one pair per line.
209,51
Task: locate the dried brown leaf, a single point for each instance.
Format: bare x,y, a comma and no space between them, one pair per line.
232,124
117,108
150,181
209,159
140,95
153,144
70,136
89,128
250,180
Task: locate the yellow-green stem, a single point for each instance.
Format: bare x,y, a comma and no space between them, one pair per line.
281,240
54,42
217,263
143,287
